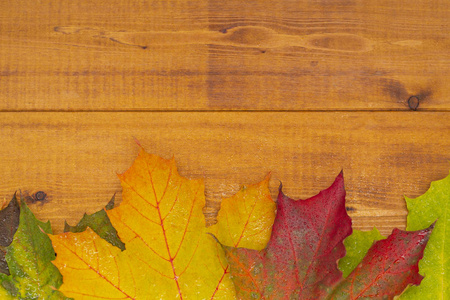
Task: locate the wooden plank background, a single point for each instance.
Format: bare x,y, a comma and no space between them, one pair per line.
234,89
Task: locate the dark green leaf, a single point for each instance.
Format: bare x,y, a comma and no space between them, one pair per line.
9,221
100,223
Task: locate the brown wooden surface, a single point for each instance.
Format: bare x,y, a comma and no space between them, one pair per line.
234,89
74,157
224,55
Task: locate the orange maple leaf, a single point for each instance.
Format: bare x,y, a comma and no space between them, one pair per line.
168,254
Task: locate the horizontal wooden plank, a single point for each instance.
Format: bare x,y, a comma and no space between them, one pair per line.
74,157
224,55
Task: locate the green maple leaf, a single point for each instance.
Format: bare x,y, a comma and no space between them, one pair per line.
29,257
100,224
356,246
435,265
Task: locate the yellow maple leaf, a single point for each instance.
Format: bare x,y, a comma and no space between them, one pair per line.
168,254
245,219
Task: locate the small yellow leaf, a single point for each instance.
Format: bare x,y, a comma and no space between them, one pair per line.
168,254
246,219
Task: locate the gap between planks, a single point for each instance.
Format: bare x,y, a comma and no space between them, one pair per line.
227,111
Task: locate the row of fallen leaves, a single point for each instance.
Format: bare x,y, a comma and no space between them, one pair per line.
155,245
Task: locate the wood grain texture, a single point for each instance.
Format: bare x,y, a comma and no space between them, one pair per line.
74,157
224,55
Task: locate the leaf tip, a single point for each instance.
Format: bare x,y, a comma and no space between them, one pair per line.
340,178
428,231
280,187
66,226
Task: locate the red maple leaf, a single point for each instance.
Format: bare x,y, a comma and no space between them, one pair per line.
388,267
299,261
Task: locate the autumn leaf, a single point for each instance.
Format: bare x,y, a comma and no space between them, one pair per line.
388,268
246,219
299,261
100,224
29,257
168,253
9,221
433,206
356,246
